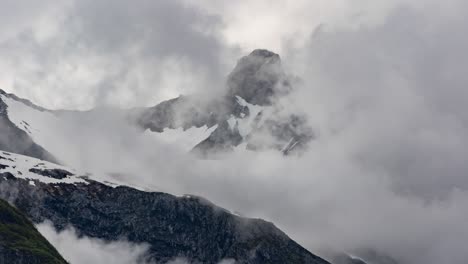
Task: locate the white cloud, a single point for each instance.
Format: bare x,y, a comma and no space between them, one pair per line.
84,250
383,83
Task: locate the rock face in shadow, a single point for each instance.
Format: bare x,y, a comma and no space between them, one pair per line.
188,227
173,226
257,81
20,242
258,78
15,140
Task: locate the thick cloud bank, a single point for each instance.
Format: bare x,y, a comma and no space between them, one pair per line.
84,250
382,82
81,250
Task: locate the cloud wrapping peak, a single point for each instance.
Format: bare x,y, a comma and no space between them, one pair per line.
385,93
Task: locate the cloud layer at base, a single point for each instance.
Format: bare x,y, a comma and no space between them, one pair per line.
388,168
84,250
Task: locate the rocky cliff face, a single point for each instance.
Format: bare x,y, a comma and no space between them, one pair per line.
16,140
187,226
259,78
249,111
20,242
247,116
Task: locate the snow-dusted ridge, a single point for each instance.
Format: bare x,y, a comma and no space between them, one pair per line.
31,120
32,169
28,168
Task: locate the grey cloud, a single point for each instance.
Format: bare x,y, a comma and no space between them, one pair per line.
400,85
83,250
387,169
114,52
79,250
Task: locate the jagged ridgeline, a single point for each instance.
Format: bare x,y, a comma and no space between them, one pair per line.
249,113
247,117
20,242
173,226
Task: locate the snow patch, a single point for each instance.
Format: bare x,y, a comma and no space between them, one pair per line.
34,122
20,166
247,124
232,122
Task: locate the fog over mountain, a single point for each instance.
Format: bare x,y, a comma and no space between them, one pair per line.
360,147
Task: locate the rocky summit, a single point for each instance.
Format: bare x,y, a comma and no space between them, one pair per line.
240,119
248,112
186,226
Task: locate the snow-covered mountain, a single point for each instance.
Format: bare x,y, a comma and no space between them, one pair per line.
247,116
187,226
39,153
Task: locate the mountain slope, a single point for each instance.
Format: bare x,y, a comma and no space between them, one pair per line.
249,112
14,138
187,226
247,116
20,242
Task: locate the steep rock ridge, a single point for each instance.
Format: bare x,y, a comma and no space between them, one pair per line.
258,78
248,116
16,139
254,88
20,242
173,226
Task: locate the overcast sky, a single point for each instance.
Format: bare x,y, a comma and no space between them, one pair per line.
141,52
383,82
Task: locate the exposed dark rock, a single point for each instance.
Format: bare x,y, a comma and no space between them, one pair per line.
258,78
52,173
5,158
7,176
189,227
24,101
13,139
221,140
186,112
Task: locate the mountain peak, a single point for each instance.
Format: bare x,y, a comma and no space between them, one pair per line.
258,77
263,53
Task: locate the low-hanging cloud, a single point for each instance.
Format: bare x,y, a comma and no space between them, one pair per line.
387,170
108,52
81,250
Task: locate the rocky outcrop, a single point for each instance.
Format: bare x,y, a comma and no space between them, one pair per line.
173,226
188,226
13,139
258,80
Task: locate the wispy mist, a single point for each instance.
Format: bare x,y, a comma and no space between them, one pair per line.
382,84
81,250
